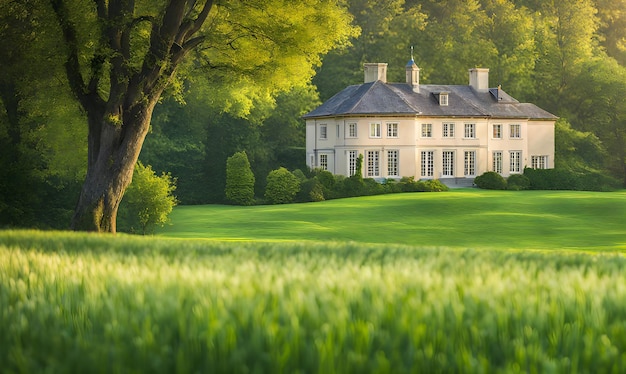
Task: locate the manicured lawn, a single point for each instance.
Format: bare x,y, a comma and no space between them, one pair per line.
467,218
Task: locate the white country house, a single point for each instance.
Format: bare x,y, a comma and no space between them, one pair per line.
448,132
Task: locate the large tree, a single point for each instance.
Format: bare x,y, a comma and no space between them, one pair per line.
121,55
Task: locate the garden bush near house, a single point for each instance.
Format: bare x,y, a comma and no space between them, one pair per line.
564,179
147,202
282,186
310,190
490,181
517,182
431,185
239,180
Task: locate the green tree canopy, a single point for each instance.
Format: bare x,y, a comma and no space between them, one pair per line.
120,56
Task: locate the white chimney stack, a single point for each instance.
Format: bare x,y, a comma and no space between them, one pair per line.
479,79
375,72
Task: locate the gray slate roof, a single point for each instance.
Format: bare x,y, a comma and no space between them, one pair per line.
378,98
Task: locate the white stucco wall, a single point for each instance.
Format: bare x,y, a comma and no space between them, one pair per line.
536,138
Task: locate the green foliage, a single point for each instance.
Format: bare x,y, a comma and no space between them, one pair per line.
565,179
431,185
239,180
490,181
148,201
517,182
128,304
282,186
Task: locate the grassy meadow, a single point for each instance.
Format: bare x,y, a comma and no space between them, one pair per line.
342,290
467,218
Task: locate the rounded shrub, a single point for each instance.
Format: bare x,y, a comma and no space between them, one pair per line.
239,180
282,186
518,182
148,201
490,181
431,185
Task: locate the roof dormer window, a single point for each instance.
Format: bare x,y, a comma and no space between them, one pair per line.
443,99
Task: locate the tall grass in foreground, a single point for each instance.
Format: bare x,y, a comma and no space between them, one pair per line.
87,303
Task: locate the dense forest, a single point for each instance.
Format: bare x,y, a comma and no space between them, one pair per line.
566,56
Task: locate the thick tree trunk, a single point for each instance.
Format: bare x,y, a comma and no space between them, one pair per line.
113,153
118,124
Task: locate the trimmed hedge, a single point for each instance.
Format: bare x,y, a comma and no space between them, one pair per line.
517,182
490,181
563,179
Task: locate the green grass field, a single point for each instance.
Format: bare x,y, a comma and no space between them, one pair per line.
507,295
461,218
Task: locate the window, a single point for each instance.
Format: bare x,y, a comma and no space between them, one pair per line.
324,162
352,156
427,130
323,132
392,130
448,130
374,130
497,131
516,131
392,163
470,130
470,163
448,163
539,162
497,162
352,130
443,99
515,164
428,163
373,167
338,131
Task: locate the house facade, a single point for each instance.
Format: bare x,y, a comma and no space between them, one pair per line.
448,132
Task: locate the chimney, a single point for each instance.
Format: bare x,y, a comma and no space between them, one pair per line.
479,79
413,75
375,72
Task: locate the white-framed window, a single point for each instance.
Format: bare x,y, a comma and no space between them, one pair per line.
373,163
374,130
392,163
515,161
428,163
497,162
324,162
539,162
470,131
443,99
516,131
448,130
448,163
470,163
427,130
352,156
392,130
338,132
351,130
323,132
497,131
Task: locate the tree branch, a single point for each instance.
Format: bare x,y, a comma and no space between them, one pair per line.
190,27
72,64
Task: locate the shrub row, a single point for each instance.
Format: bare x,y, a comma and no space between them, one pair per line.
322,185
548,179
